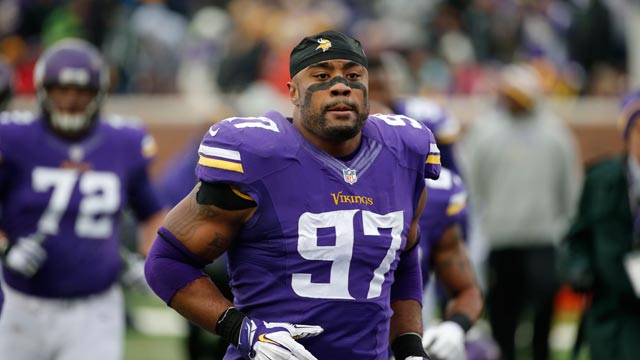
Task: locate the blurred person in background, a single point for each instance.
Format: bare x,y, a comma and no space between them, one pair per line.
443,225
66,173
6,93
444,125
601,254
443,233
523,173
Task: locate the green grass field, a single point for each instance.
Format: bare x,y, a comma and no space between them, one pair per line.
155,332
158,333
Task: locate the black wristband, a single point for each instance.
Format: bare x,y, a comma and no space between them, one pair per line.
462,320
228,325
406,345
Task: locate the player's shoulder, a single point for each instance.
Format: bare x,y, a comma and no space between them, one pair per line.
16,120
123,124
130,132
401,129
401,133
267,135
243,149
449,191
18,125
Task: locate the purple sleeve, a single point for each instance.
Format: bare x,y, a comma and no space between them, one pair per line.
408,278
170,266
432,166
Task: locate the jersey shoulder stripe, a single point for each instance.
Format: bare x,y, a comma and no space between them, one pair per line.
243,149
216,157
433,158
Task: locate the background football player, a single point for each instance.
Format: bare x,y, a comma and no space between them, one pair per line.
444,125
66,174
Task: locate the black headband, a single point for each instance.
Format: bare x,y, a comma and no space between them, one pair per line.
326,45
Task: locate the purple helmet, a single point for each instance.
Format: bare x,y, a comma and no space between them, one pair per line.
71,62
6,85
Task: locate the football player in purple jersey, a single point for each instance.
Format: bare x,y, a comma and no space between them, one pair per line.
443,227
6,93
443,234
318,215
66,174
444,125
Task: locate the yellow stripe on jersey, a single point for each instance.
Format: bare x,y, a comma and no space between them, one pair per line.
241,194
220,164
149,147
433,159
453,209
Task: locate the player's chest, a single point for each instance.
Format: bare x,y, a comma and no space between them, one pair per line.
71,178
376,183
341,206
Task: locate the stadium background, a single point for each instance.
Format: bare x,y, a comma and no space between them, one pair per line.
181,65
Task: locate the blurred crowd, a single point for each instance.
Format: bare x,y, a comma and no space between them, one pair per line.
213,47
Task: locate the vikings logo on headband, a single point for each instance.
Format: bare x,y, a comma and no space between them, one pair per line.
334,45
324,44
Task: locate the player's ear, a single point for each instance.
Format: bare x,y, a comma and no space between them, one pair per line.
293,93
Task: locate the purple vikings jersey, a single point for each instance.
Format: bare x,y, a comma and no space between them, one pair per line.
72,194
446,206
325,240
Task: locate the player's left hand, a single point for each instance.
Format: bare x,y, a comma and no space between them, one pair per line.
445,341
260,340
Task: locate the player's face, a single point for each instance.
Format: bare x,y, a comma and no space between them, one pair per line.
70,99
332,99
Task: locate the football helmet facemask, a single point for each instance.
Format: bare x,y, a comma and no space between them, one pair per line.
71,62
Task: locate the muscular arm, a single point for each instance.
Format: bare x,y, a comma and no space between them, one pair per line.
206,231
453,269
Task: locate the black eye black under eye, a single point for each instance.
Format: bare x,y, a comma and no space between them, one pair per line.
335,80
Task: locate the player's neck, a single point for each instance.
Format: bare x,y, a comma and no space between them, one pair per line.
337,149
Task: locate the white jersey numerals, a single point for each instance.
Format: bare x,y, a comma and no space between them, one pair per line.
254,122
399,120
341,253
100,191
16,117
